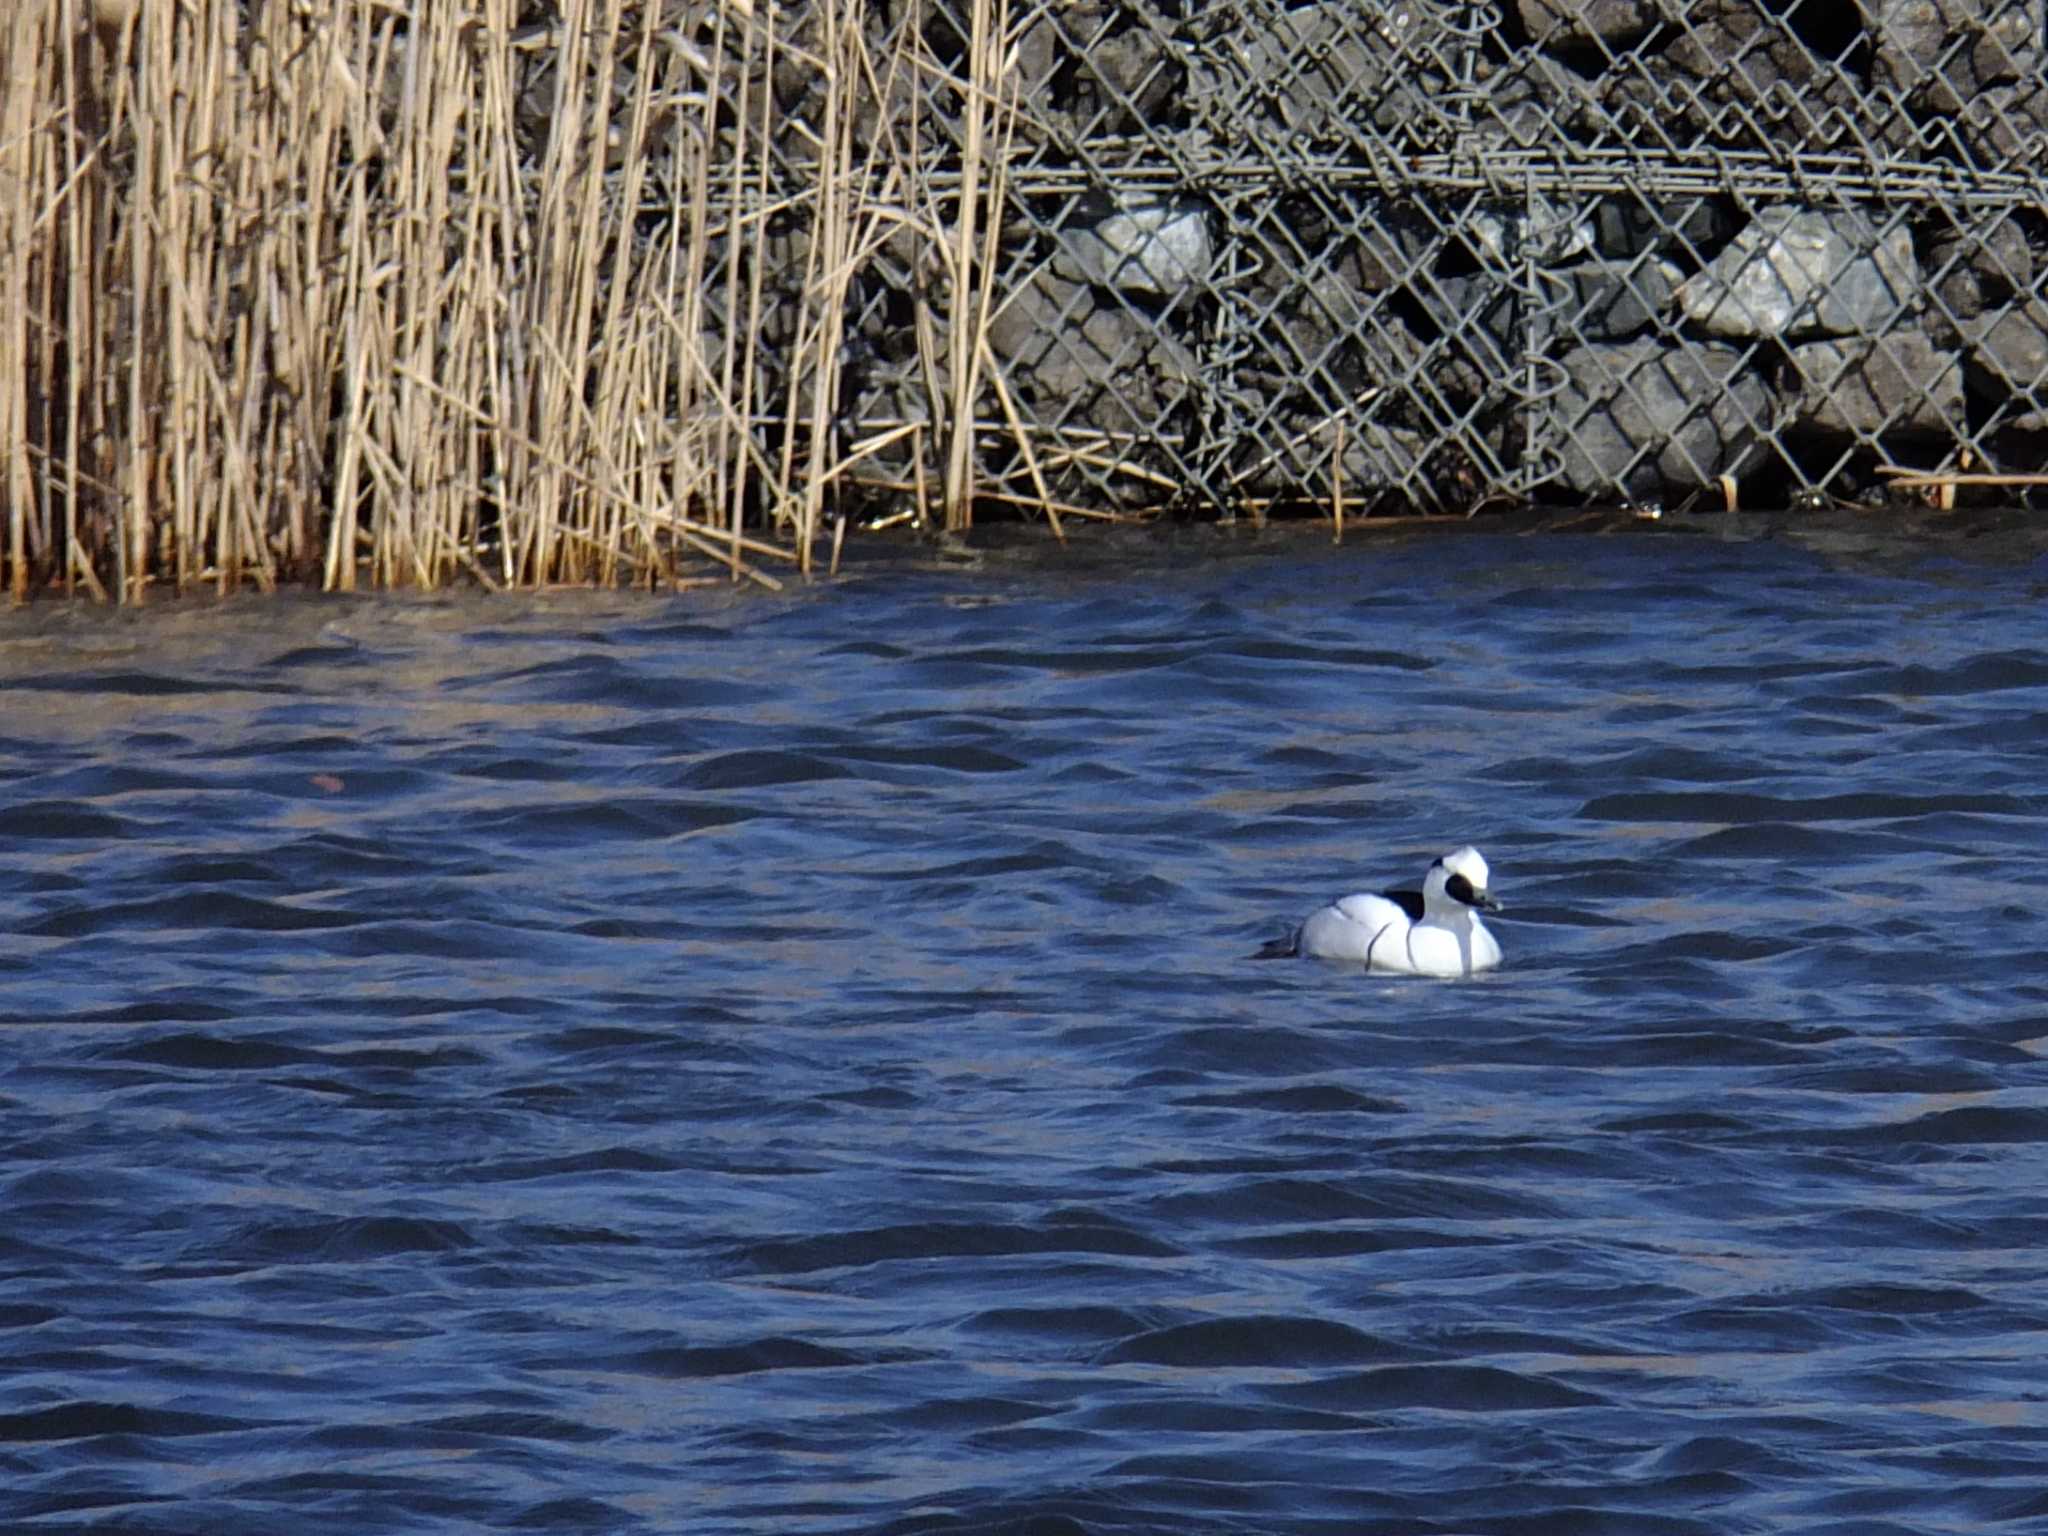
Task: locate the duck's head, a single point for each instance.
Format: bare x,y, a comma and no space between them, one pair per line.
1459,879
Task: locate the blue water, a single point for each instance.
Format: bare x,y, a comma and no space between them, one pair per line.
789,1064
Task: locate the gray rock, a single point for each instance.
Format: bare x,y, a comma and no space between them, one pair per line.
1088,68
1612,300
1534,97
1487,326
2008,359
1541,232
1940,54
1324,342
1390,244
1153,248
1735,54
1079,357
1976,268
1628,226
1325,72
1366,242
1484,333
1899,383
1636,416
1575,23
1801,272
1125,81
2006,126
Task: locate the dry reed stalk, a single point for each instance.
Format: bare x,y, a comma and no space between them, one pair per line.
749,391
339,572
1070,509
85,214
1335,418
573,225
22,64
420,330
988,103
697,469
623,389
503,241
284,138
856,206
866,448
131,532
818,315
79,567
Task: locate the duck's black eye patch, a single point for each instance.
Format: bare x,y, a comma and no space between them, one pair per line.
1460,889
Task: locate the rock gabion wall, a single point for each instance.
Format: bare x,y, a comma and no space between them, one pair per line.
1559,249
530,291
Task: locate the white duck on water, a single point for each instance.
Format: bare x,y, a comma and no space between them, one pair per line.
1435,931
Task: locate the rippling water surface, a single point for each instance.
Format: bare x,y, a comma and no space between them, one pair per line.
762,1065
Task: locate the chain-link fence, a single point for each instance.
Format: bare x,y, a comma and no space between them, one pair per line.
1420,252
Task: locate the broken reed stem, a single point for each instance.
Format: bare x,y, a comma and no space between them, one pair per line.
1337,486
1927,479
1005,498
1019,435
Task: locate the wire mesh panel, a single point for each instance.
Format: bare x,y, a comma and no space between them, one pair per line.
1435,252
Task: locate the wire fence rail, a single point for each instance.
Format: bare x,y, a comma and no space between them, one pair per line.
369,292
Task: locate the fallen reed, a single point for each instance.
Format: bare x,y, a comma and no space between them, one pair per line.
382,294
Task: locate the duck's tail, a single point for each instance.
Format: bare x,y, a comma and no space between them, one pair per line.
1288,948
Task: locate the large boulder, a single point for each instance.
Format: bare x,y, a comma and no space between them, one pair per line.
1081,358
1896,384
1153,248
1940,54
1327,72
1612,300
1584,23
1629,226
1743,76
2006,126
1635,416
1978,266
1797,272
2008,361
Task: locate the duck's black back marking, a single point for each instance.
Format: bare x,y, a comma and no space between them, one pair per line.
1409,902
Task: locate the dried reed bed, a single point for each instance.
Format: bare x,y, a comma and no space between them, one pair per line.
338,292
